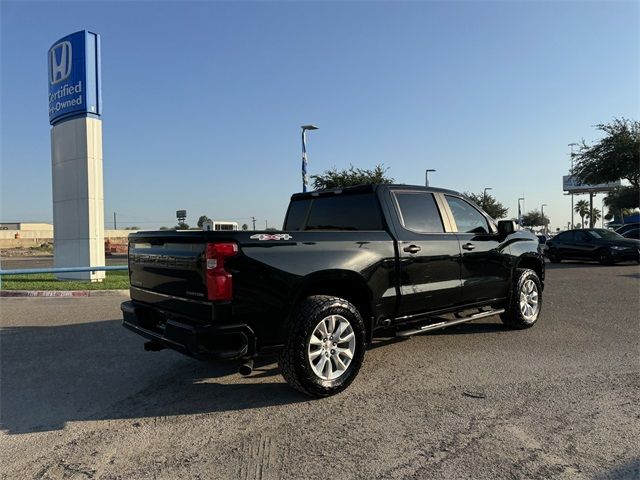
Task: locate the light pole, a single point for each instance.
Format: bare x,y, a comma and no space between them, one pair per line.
520,211
426,176
571,145
305,177
544,224
484,198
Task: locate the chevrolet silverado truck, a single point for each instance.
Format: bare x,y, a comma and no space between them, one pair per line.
349,264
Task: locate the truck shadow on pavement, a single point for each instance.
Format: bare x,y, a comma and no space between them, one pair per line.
98,370
53,375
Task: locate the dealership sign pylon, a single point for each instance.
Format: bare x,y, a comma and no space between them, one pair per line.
75,106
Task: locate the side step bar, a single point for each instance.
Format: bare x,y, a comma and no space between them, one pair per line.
448,323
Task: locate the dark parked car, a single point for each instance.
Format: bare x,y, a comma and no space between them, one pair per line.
542,238
542,242
634,233
597,244
626,227
350,263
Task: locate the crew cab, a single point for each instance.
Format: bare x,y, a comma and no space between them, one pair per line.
349,264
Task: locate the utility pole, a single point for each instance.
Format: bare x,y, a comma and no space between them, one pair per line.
484,198
253,219
520,210
426,176
266,225
115,226
544,224
571,145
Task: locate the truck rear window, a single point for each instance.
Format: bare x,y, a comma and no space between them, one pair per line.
336,212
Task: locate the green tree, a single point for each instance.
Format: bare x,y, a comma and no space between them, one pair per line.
534,218
617,214
614,157
181,226
202,219
582,208
595,216
165,228
245,226
490,205
623,199
335,178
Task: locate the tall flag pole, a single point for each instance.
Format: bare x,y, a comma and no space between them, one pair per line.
305,178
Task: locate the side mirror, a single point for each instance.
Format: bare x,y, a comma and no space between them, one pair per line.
506,227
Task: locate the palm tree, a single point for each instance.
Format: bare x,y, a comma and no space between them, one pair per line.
582,209
597,215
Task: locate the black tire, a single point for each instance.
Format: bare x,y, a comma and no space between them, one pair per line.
294,362
605,257
514,317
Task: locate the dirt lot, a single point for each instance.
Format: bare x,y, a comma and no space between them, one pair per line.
81,399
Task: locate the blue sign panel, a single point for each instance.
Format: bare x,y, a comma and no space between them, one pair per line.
74,77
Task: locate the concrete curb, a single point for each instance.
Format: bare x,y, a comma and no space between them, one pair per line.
63,293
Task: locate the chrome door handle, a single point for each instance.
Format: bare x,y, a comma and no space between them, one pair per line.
468,246
412,249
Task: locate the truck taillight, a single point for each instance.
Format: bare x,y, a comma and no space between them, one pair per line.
219,281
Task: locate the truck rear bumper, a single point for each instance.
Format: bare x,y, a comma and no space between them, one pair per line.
186,336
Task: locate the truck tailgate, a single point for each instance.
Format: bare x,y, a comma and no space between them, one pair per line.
169,264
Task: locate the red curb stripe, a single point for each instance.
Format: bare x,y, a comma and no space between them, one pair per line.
45,293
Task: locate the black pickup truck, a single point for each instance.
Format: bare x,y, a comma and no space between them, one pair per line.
350,263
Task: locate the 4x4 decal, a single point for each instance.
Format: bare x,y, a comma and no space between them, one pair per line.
271,236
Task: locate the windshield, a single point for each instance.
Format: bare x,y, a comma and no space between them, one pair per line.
605,234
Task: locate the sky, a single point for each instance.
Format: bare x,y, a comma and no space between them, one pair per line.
203,101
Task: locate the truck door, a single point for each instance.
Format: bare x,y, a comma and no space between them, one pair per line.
485,272
429,255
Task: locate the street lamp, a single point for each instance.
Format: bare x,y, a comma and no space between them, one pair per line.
544,224
305,177
520,211
484,198
426,176
571,145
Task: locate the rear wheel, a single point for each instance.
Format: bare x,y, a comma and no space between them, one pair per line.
325,346
526,300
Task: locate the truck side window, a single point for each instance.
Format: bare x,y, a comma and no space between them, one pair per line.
419,212
468,219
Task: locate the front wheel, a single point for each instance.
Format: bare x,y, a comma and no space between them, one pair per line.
554,256
325,346
605,257
526,300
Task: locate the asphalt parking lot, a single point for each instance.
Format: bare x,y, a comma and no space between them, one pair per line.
81,399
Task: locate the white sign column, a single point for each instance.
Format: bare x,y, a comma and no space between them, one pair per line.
78,198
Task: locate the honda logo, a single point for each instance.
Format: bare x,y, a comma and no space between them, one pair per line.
59,62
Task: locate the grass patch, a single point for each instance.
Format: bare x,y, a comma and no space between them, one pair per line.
47,281
44,248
